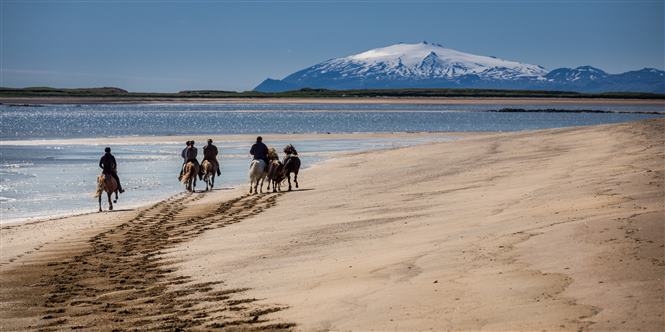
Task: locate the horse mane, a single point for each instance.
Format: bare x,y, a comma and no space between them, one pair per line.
289,149
272,154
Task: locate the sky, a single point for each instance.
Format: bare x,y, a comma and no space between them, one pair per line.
170,46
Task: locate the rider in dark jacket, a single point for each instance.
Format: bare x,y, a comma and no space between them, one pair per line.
259,150
189,154
210,153
109,166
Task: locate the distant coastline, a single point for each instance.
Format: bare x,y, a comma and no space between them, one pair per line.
111,95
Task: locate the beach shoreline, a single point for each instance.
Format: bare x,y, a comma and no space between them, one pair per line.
232,158
550,229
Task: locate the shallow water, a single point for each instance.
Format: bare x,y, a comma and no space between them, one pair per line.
54,180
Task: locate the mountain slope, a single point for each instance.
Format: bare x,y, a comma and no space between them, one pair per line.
426,65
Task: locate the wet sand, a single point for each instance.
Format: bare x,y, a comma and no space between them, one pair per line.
556,229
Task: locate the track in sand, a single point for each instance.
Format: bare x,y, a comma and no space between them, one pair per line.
118,279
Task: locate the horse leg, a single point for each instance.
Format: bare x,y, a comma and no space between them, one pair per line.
295,178
110,203
288,177
116,197
100,202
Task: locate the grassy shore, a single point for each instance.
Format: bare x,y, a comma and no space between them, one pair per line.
46,95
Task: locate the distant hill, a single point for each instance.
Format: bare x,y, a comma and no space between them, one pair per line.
426,65
47,91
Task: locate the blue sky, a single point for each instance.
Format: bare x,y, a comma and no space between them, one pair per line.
168,46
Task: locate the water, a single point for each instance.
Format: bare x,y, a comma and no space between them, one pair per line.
48,178
76,121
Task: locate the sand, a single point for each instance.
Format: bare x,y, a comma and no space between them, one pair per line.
559,229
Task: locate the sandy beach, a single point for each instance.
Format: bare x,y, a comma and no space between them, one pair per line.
559,229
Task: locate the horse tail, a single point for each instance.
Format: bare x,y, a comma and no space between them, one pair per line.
100,186
253,169
257,169
208,167
188,173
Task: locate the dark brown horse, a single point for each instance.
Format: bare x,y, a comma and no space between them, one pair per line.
291,164
106,183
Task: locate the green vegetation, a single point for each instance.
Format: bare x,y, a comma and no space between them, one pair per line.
54,92
110,92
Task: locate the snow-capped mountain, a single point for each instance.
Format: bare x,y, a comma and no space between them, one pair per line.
579,74
426,65
421,61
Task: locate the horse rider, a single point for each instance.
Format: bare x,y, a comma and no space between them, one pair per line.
210,154
189,154
183,154
259,150
109,166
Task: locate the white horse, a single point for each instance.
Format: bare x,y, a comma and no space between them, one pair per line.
257,173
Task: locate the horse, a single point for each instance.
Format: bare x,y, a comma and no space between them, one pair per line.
257,173
190,170
106,182
275,175
209,171
272,158
291,164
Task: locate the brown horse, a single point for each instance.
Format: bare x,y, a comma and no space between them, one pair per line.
106,182
190,170
275,175
209,171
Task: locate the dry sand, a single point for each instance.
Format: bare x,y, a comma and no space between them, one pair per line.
559,229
